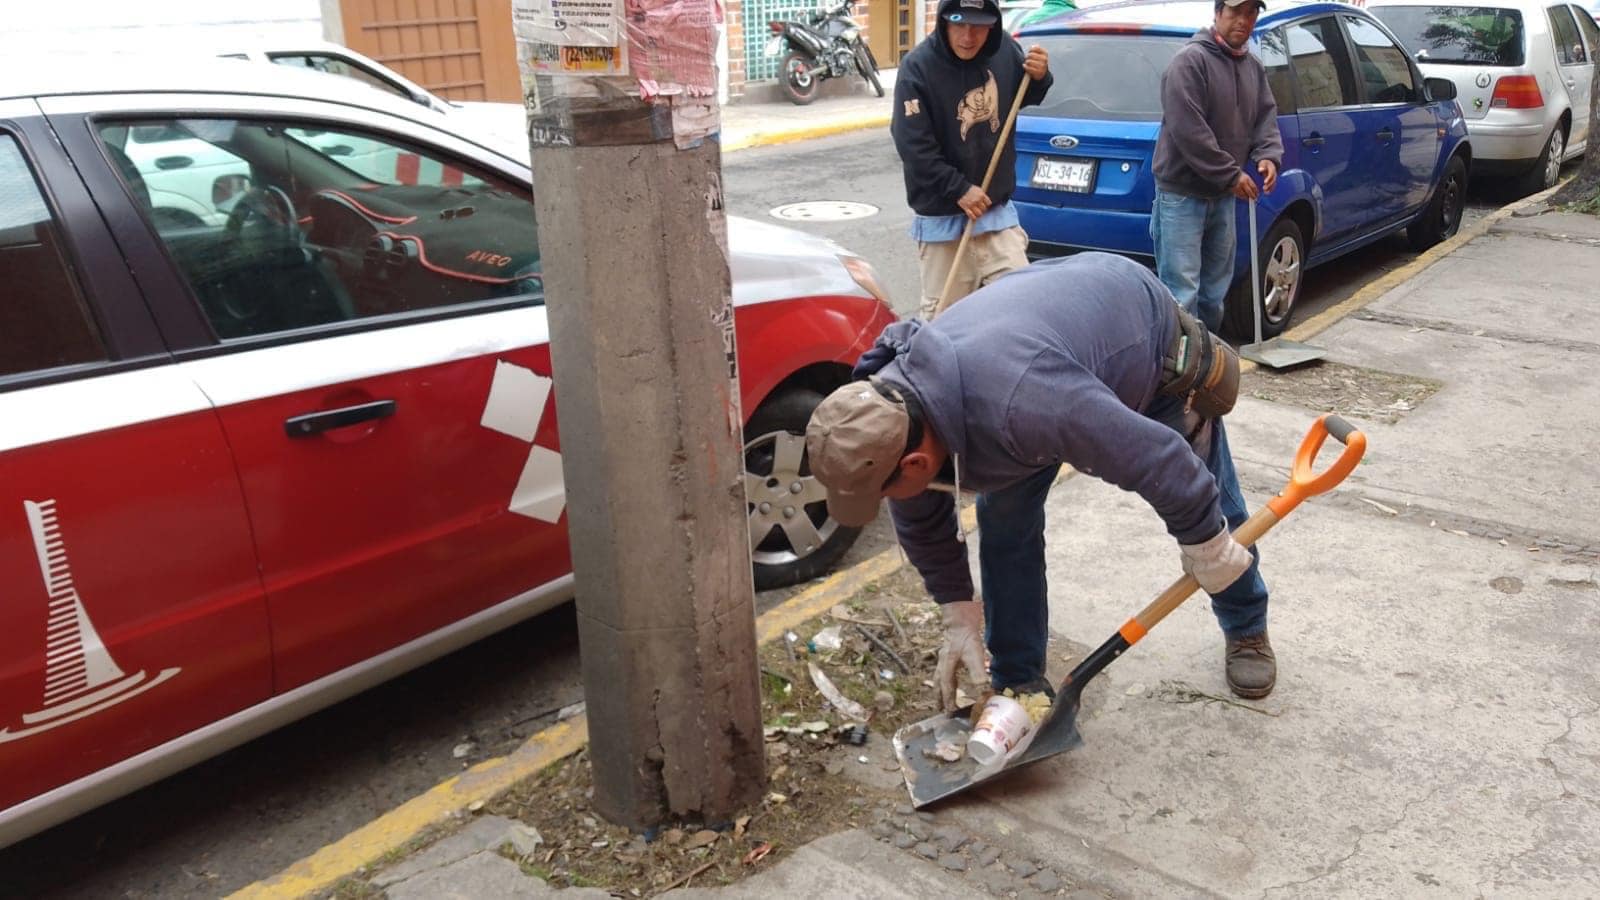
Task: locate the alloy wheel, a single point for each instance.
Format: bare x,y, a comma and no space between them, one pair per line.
788,506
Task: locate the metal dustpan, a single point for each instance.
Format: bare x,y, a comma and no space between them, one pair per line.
929,777
1276,353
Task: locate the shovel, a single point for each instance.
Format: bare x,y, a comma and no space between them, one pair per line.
929,777
988,176
1276,353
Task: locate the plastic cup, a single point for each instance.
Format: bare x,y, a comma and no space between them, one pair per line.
1000,726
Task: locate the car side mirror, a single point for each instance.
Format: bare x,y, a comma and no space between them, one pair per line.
1440,88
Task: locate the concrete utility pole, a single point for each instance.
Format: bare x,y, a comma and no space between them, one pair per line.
633,240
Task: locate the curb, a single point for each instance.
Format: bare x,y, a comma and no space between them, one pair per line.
1372,290
805,132
391,831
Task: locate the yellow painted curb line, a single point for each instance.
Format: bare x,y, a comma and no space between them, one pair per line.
787,135
372,841
1372,290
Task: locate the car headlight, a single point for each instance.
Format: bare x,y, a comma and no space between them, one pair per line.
862,273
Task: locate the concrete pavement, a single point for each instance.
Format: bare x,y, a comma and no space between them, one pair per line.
1437,710
842,105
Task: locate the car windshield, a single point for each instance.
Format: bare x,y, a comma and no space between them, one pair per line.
1457,35
1082,89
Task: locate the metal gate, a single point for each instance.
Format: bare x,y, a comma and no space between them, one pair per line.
757,13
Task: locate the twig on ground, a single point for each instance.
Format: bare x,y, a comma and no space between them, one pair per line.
898,630
878,642
685,879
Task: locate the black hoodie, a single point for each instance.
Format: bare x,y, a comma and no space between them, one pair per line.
948,114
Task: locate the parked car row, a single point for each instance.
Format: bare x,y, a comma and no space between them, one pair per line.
265,454
1370,146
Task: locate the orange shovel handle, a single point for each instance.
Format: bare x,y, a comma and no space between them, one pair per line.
1303,482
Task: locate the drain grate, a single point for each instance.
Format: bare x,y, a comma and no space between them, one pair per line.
823,211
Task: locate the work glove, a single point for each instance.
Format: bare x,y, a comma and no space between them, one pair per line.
963,648
1216,563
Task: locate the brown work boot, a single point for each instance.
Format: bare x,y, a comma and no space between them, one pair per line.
1251,668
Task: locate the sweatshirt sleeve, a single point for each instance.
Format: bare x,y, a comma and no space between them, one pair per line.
926,526
916,140
1183,120
1267,142
1070,416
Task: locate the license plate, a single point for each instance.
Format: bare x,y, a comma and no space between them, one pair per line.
1064,174
774,45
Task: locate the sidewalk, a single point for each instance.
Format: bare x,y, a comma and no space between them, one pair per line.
841,106
1437,708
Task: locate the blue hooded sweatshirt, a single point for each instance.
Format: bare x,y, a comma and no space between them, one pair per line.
1054,363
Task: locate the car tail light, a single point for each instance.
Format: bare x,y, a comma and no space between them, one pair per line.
775,26
1517,92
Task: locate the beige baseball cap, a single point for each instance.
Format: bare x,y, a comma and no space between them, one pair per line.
854,442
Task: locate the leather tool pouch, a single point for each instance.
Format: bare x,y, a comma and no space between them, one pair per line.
1201,368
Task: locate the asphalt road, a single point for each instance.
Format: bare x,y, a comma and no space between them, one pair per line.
249,813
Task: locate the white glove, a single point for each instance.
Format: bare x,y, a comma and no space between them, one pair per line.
1216,563
963,647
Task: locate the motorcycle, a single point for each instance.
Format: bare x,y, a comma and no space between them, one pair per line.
826,45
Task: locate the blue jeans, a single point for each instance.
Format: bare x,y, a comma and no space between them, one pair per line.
1195,245
1011,557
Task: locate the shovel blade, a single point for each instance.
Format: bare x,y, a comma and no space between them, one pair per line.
1278,353
929,777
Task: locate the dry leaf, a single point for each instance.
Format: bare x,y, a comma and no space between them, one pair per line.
703,838
740,825
673,837
776,797
758,854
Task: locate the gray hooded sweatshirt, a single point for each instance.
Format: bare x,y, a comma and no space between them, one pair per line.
1054,363
1217,114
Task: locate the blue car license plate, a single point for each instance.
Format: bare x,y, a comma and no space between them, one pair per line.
1062,173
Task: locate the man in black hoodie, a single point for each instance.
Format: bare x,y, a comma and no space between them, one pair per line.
950,102
1219,123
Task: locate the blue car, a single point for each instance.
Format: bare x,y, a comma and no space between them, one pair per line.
1370,146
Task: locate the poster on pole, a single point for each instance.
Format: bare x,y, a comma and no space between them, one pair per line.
567,23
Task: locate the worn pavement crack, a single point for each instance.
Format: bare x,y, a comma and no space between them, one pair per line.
1492,334
1361,838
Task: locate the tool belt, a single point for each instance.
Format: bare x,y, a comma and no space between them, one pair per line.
1201,368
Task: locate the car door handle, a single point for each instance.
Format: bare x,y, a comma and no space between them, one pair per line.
1316,140
1386,135
315,423
167,163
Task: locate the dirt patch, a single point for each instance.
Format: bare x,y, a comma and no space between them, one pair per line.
1368,394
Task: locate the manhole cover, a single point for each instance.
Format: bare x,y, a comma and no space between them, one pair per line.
824,211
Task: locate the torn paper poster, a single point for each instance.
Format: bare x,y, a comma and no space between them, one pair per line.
567,23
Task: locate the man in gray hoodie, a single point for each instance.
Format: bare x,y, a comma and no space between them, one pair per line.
1064,361
1218,122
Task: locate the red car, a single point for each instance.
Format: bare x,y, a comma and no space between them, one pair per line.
257,460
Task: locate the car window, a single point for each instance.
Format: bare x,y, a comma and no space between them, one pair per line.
44,321
321,226
1322,73
333,65
1381,65
1457,35
1591,31
1081,90
1273,49
1564,31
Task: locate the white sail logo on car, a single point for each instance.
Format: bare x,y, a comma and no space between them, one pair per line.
80,677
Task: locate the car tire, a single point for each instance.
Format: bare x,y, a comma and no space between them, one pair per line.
1441,218
1281,261
774,459
1547,171
798,84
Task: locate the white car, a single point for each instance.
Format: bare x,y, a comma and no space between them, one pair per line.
504,121
1522,72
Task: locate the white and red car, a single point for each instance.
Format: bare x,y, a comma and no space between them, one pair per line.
254,461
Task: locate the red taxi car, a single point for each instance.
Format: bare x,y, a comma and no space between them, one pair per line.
255,461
